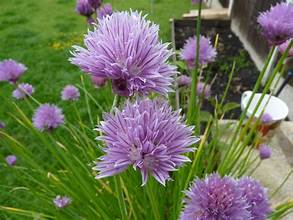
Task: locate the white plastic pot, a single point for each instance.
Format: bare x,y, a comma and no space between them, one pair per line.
276,108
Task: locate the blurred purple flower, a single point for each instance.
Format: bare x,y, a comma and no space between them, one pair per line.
105,10
266,118
203,89
282,48
61,201
23,90
70,93
91,21
48,117
147,135
207,53
98,81
2,125
277,23
84,8
215,198
196,1
265,151
11,160
256,196
10,70
126,49
95,4
184,80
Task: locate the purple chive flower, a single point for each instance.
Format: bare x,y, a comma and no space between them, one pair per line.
105,10
207,53
23,90
196,1
203,89
10,70
266,118
2,125
184,80
95,4
70,93
126,49
282,48
215,198
98,81
84,8
11,160
265,151
256,196
147,135
277,23
48,117
61,201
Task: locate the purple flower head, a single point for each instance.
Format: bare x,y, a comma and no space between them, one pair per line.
11,70
98,81
215,198
196,1
48,117
265,151
84,8
105,10
207,53
23,90
90,20
203,89
11,160
256,197
184,80
2,125
125,48
277,23
95,4
266,118
61,201
147,135
70,93
282,48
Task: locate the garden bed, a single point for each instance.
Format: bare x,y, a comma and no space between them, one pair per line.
229,49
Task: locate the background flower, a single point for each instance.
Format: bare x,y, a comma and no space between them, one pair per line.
10,70
147,135
84,8
23,90
203,89
125,48
70,93
184,80
98,81
282,48
105,10
11,160
207,53
265,151
61,201
48,117
95,4
256,197
215,198
277,23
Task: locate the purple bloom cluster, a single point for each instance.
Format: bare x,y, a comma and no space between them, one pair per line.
61,201
95,4
207,53
11,160
184,80
98,81
265,151
203,89
147,135
84,8
225,198
10,70
70,93
282,48
105,10
277,23
266,118
48,117
23,90
2,125
125,48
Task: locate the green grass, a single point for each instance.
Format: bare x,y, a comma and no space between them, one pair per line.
40,35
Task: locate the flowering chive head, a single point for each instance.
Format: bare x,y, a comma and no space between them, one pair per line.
146,135
84,8
105,10
11,160
10,70
23,90
184,80
61,201
277,23
48,117
265,151
70,93
98,81
125,49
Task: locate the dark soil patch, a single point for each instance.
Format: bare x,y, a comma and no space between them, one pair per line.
229,49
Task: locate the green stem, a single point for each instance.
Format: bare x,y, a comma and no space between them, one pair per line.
121,202
153,200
